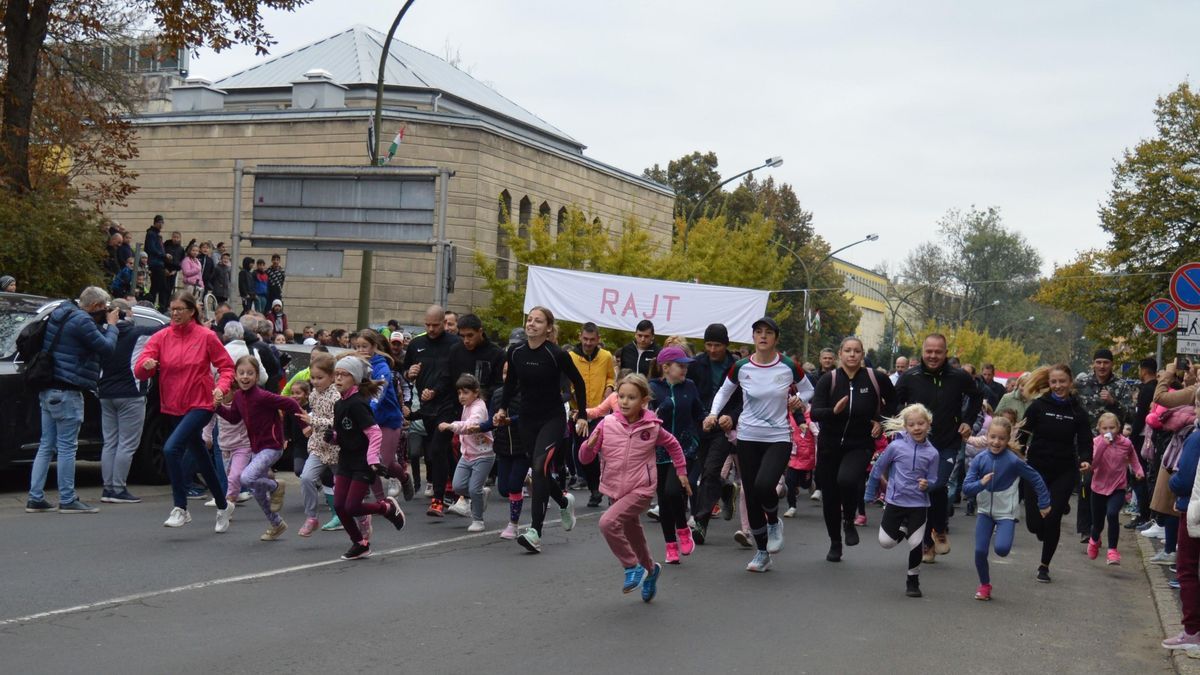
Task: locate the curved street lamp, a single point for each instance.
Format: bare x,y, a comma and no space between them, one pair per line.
771,163
1000,333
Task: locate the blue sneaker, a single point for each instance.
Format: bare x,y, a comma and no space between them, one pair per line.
1173,583
39,506
633,578
650,584
197,492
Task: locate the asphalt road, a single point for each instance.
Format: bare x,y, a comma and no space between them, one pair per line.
117,592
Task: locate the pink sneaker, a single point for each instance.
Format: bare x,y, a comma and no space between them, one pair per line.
672,554
1183,641
1114,556
984,592
1093,549
686,545
309,526
861,520
509,532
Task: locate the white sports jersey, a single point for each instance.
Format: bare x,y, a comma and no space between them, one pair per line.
765,393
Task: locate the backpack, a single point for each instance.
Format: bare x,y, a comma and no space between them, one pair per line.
37,364
874,384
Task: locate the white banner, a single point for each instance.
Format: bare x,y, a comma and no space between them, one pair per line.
621,302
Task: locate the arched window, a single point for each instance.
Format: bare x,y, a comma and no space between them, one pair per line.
597,223
562,219
502,251
524,218
544,212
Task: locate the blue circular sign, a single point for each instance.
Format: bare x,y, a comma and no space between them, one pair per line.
1161,316
1185,286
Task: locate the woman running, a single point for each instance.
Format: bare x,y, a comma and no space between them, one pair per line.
850,403
183,357
771,385
1060,449
535,366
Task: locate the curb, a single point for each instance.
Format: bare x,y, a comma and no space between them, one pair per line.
1166,601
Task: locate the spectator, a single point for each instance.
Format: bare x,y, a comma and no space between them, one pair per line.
452,323
276,275
262,285
8,284
208,266
141,288
324,337
117,253
901,366
221,279
277,317
262,351
340,338
160,290
122,406
174,257
122,282
78,335
193,271
305,334
247,285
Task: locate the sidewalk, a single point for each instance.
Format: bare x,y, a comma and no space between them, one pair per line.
1166,600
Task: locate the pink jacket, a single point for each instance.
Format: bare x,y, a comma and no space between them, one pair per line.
1109,461
627,454
804,446
193,271
473,446
185,355
608,405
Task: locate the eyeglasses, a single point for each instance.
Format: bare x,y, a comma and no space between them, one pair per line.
179,310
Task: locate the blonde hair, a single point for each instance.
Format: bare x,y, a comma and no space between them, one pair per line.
1039,380
678,341
1108,416
638,381
893,424
1004,423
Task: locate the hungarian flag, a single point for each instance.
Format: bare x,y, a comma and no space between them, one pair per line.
395,145
814,322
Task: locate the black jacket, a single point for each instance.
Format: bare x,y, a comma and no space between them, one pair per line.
154,248
434,357
699,371
486,363
628,358
992,392
246,279
177,253
116,369
506,440
851,428
1061,435
269,361
941,391
1145,399
208,272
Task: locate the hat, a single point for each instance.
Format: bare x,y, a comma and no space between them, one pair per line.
1103,354
768,322
277,303
673,354
397,336
5,281
517,336
353,365
310,342
716,332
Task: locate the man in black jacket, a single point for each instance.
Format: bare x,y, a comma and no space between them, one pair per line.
992,390
475,355
262,350
174,257
427,366
942,388
639,355
160,290
1148,374
708,371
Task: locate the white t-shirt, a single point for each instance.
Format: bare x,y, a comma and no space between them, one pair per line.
765,393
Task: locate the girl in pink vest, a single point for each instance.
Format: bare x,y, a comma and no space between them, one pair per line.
625,441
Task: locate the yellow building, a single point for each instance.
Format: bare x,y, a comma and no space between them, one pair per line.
867,291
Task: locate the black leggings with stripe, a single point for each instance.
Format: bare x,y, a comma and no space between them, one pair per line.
539,440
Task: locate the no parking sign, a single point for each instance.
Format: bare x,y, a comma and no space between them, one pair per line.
1161,316
1185,286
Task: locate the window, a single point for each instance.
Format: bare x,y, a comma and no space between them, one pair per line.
562,219
524,217
544,212
502,251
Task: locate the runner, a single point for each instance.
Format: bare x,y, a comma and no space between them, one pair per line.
535,367
771,385
708,371
850,403
677,403
427,366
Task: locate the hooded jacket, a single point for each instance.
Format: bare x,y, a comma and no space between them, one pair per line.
1001,496
904,462
155,253
82,345
627,454
679,408
942,391
246,278
386,405
851,428
1061,436
185,354
596,370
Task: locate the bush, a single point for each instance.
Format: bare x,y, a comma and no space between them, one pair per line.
49,244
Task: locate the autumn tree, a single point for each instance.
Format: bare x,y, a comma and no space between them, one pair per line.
690,176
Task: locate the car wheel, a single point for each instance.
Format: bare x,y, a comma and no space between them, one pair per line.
149,465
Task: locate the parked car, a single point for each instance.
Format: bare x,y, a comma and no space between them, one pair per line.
20,413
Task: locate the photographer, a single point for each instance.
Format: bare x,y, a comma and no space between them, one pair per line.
1182,372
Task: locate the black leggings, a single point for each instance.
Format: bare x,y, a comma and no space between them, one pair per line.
510,474
762,464
1107,507
793,480
1061,482
672,508
839,476
539,439
437,454
713,451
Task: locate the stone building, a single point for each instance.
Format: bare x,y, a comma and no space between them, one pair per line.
868,291
313,106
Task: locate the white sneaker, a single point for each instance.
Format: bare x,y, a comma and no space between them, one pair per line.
476,526
1155,531
815,496
568,513
224,516
393,487
775,537
178,518
790,513
428,489
244,496
211,503
653,512
460,508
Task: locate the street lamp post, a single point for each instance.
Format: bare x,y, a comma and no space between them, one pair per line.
995,303
1000,333
772,162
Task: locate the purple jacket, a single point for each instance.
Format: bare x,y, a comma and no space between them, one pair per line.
904,462
260,409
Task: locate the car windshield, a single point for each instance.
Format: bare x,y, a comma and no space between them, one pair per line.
13,317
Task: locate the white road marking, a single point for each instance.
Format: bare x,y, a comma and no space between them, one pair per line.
138,597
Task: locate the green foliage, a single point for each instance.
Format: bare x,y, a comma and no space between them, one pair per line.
691,176
49,244
977,347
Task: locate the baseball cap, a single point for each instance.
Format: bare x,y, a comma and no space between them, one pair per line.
673,354
516,337
397,336
768,322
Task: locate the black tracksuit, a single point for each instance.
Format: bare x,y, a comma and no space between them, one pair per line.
434,356
628,358
486,363
1061,438
714,448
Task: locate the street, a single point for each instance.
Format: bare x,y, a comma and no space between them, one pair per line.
117,592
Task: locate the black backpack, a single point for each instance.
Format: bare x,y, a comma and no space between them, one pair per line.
37,364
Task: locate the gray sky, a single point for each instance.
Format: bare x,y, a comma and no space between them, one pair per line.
887,114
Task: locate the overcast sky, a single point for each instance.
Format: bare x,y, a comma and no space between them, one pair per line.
887,114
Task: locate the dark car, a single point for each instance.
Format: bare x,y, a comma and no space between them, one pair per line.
20,414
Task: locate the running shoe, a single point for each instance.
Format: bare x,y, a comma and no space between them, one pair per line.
273,532
835,552
178,518
650,583
211,503
310,525
790,513
1163,558
1184,640
394,513
77,506
652,514
912,586
121,497
428,490
530,540
971,506
928,555
476,526
196,492
1043,574
775,536
460,508
744,539
509,532
633,578
39,506
567,513
244,496
815,496
984,592
1155,531
436,509
1093,549
941,542
594,500
860,520
1173,584
358,551
1114,557
761,562
716,511
277,496
1134,524
672,553
333,525
686,545
393,487
850,533
224,516
699,532
406,487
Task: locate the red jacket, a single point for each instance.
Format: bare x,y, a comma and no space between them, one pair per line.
186,355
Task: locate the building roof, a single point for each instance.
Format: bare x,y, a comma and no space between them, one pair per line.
352,58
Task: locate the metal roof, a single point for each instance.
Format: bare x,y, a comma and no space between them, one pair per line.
352,58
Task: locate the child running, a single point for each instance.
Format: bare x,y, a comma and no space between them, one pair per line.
676,401
992,481
260,409
477,458
359,459
910,464
626,443
1112,455
322,454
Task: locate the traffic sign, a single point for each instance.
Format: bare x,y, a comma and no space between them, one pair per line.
1185,286
1161,316
1187,340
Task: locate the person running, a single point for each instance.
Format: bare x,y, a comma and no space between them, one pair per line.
676,402
427,367
909,463
1060,448
512,464
771,385
708,371
627,443
534,370
359,457
1113,457
183,357
799,473
322,455
259,409
477,458
992,480
388,415
849,403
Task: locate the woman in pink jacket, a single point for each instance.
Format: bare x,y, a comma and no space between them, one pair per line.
625,441
183,356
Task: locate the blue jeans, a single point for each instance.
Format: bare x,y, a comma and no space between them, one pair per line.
62,415
191,468
186,440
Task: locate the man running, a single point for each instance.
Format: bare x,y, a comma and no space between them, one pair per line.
708,371
427,366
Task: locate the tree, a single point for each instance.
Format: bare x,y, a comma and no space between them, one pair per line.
971,345
691,176
777,202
